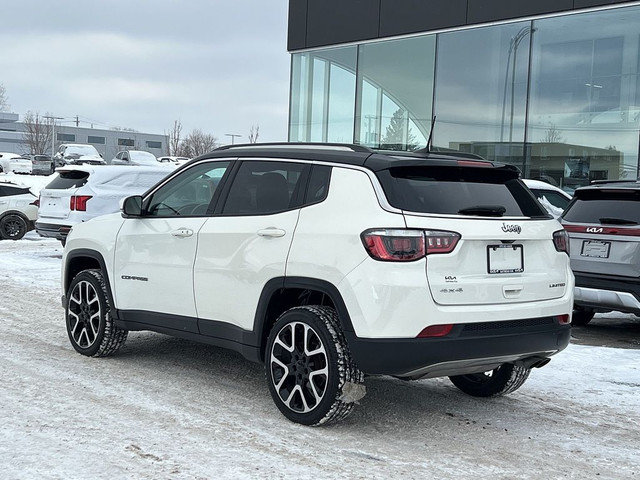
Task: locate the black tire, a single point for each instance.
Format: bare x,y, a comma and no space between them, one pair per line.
503,380
582,316
13,227
88,316
311,375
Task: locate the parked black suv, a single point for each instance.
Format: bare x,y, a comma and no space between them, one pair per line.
603,222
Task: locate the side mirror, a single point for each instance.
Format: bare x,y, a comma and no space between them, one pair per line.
131,206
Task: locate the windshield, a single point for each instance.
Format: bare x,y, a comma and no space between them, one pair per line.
81,150
142,157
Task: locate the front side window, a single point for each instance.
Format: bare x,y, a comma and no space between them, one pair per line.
262,188
187,194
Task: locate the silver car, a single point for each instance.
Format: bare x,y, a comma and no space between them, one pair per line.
603,222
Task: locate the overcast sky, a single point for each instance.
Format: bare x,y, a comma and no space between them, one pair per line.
221,66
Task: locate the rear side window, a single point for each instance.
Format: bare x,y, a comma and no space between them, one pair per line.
455,190
8,191
608,207
318,184
66,180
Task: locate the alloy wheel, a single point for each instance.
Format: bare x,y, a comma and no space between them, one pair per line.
299,367
84,314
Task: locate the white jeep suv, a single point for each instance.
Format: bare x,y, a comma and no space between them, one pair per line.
330,262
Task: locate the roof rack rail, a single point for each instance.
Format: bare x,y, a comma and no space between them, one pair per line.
316,145
603,182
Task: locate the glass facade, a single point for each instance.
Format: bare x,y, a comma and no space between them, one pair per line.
559,97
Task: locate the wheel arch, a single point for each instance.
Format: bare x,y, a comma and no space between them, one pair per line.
85,259
282,293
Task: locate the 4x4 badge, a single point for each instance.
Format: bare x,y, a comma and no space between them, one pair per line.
511,228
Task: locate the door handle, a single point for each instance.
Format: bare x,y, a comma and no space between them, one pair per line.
182,232
271,232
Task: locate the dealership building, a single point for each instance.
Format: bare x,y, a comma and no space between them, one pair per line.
552,86
107,142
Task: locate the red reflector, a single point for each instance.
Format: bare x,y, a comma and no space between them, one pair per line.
435,331
79,202
564,319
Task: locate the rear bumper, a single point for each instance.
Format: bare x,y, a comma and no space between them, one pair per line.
52,230
469,348
607,292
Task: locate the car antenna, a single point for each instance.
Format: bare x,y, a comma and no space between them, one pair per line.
429,141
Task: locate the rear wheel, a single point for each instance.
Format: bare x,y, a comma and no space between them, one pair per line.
88,316
503,380
582,316
13,227
311,375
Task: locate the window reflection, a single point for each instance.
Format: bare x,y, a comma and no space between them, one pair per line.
583,120
395,91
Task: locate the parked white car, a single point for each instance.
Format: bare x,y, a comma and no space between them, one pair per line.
172,159
14,163
554,199
329,263
18,210
81,192
77,154
135,157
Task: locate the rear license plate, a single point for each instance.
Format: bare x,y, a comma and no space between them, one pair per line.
595,248
505,258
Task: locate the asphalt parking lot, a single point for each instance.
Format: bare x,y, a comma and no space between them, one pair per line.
612,329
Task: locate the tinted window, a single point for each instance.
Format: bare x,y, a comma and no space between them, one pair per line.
318,185
8,191
189,193
65,180
612,207
261,188
459,190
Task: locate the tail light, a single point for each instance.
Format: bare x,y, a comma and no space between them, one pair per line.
79,202
405,245
36,202
561,241
564,319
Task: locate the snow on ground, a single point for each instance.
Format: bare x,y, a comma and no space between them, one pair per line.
169,408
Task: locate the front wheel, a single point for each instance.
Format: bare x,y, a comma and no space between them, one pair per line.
88,316
311,375
13,227
503,380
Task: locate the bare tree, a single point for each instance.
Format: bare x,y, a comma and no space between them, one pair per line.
254,133
174,138
38,132
552,135
4,105
197,143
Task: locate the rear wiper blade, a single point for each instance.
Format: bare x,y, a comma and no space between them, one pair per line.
617,221
484,210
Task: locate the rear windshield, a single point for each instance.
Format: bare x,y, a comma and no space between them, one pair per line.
66,180
455,190
606,207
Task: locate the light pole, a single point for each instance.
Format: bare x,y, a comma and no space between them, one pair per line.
513,49
53,131
233,137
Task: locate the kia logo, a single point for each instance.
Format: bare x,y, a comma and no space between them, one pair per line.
511,228
594,230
